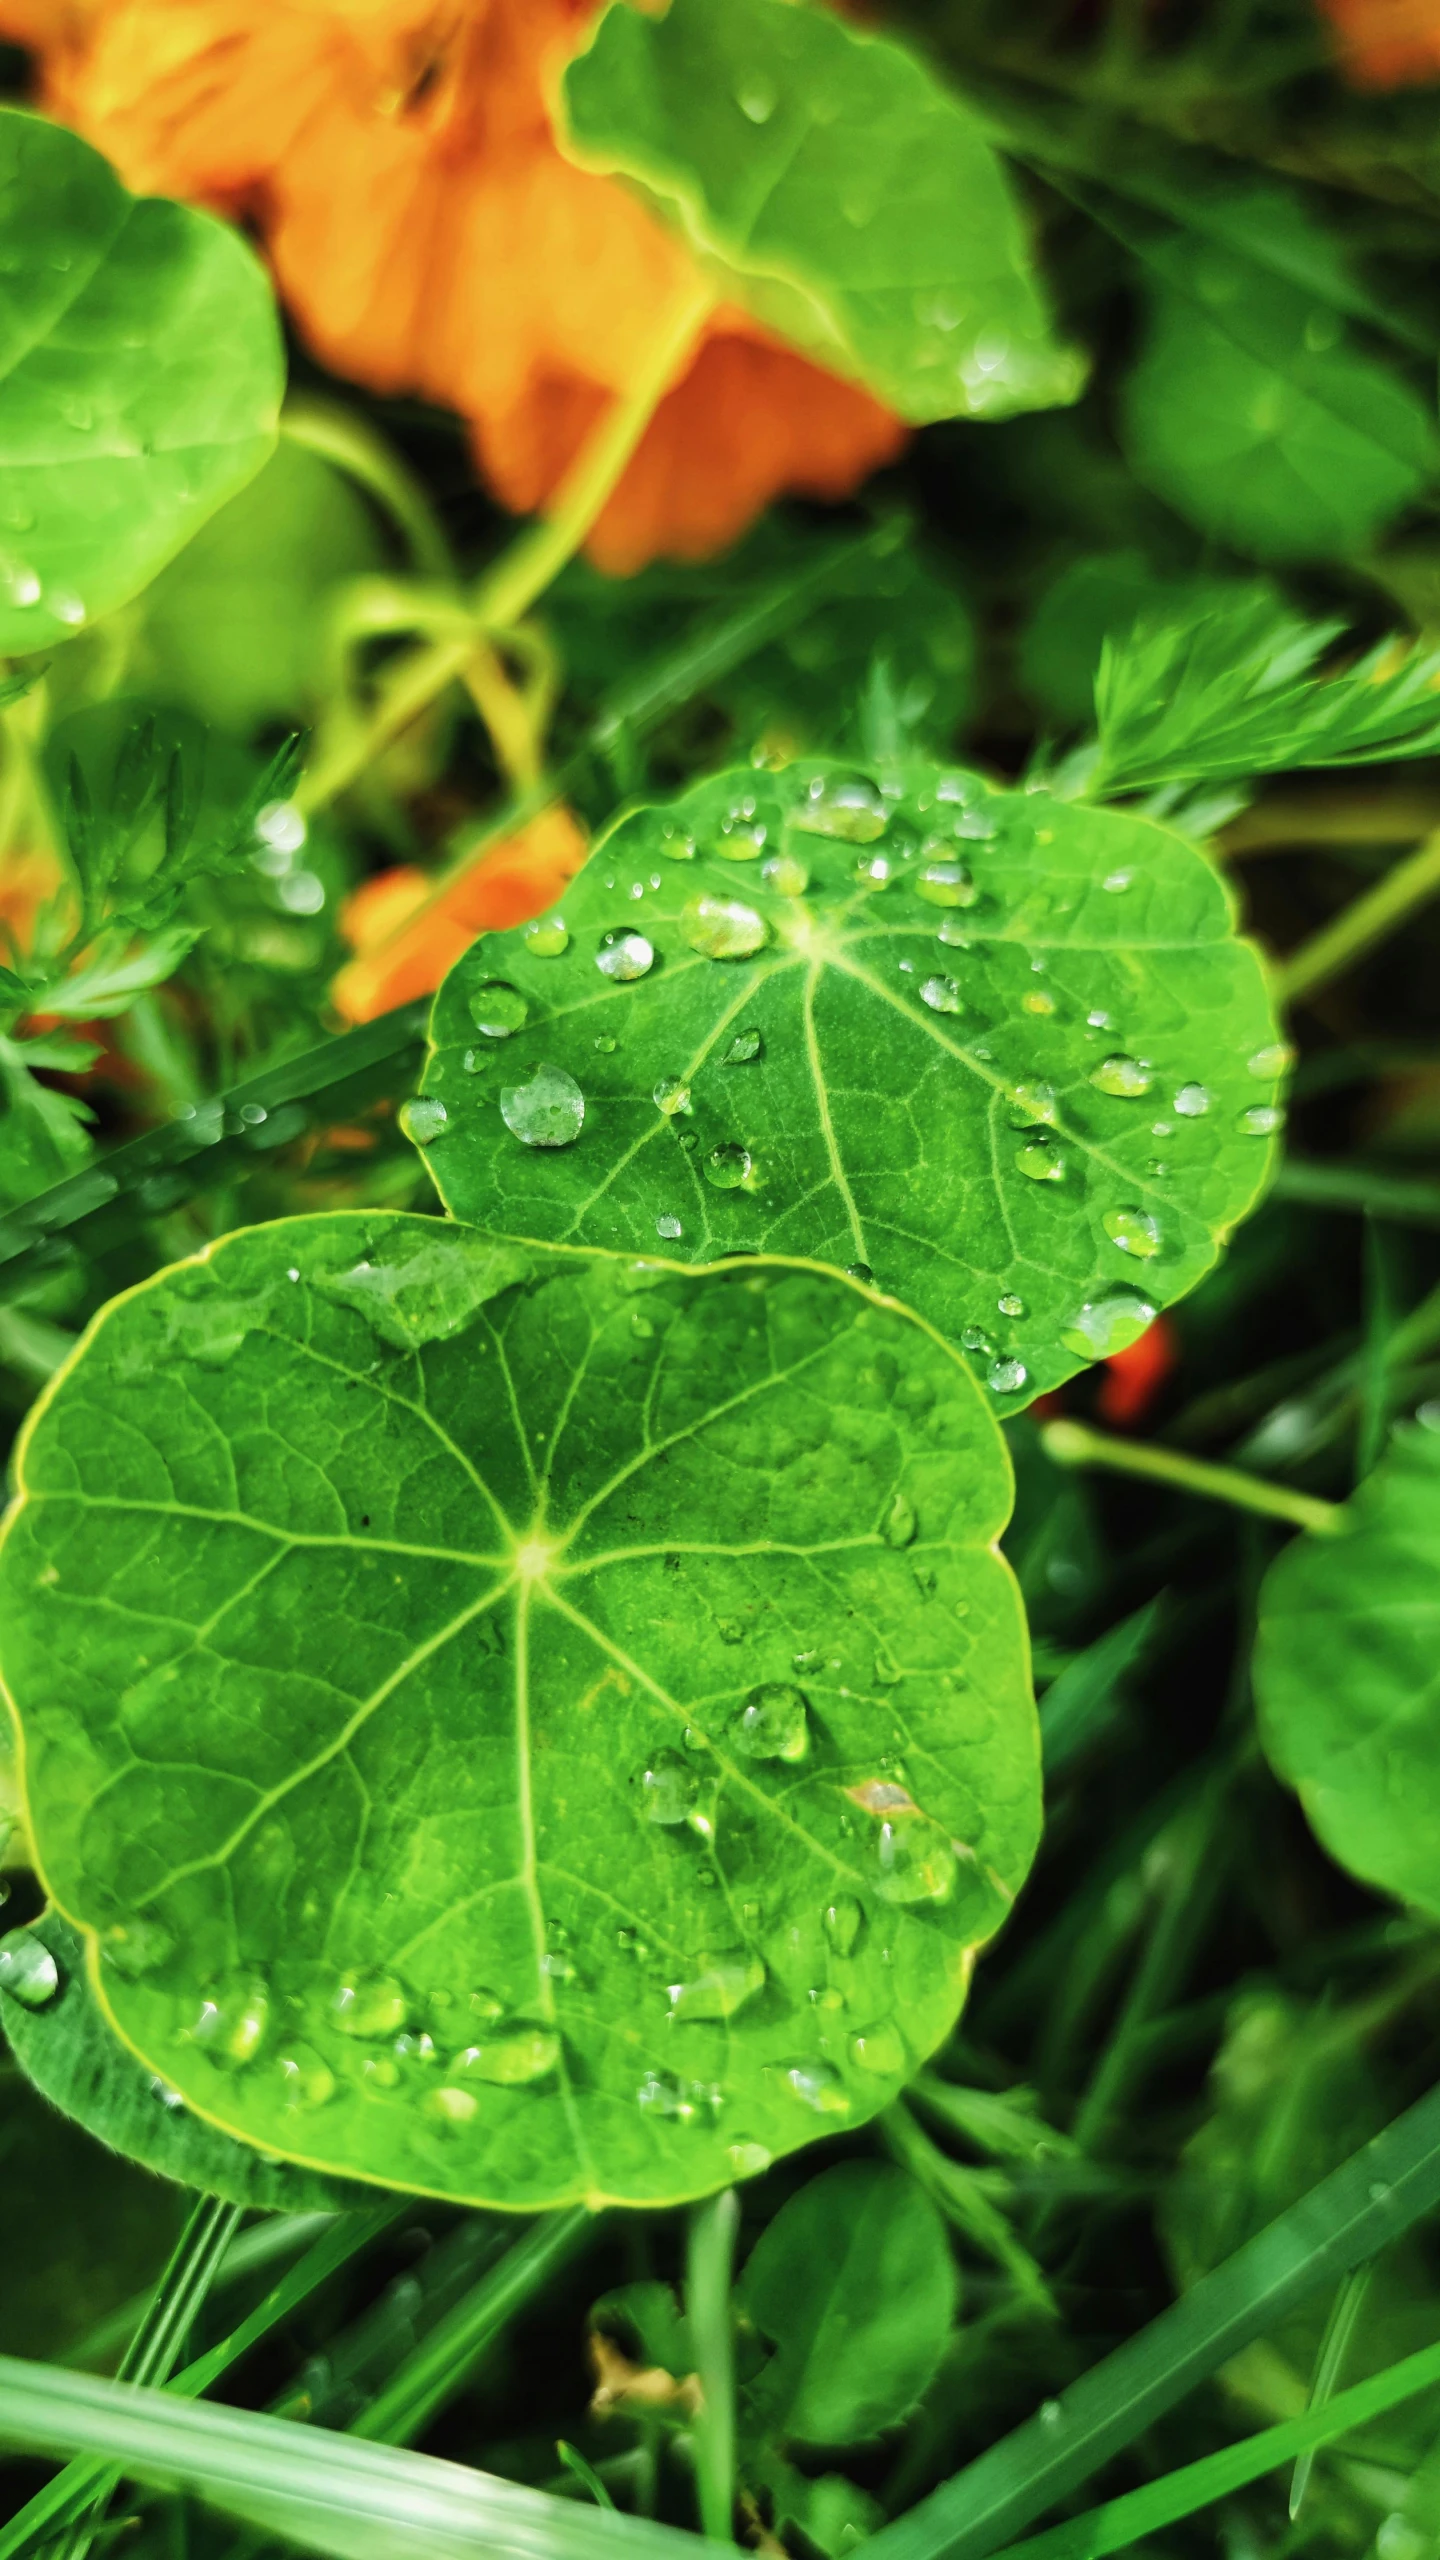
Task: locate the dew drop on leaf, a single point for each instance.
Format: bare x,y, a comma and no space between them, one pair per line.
916,1861
1134,1231
546,937
844,805
1006,1377
669,1789
1106,1325
817,2085
671,1094
624,956
1127,1077
899,1525
452,2108
773,1724
1031,1104
422,1119
942,995
952,933
1192,1101
880,2050
745,1046
233,2019
1039,1161
669,1229
844,1920
369,2004
723,928
727,1166
512,2057
786,875
1272,1061
721,1985
306,2080
947,884
677,843
860,1271
498,1009
28,1970
1261,1120
747,2159
549,1111
1117,882
1010,1305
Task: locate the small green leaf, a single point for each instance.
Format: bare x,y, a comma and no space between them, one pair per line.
68,2052
1346,1676
854,2286
476,1704
828,183
1254,417
115,972
140,379
999,1051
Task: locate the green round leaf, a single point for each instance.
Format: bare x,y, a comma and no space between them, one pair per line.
999,1050
67,2051
834,188
1347,1676
854,2286
141,370
519,1725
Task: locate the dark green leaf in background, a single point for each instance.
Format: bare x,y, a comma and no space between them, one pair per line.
1001,1051
1251,412
1347,1675
832,186
519,1725
140,379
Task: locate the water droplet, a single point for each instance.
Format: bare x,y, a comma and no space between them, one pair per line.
721,1985
606,1046
786,875
1038,1002
880,2050
947,884
233,2019
952,933
743,833
22,586
757,99
680,2101
624,956
730,1630
746,2158
676,843
745,1046
973,1337
844,805
844,1920
669,1229
671,1094
1051,2414
1134,1231
1031,1104
727,1166
1039,1160
306,2081
452,2108
669,1789
1261,1120
422,1119
369,2004
138,1948
1117,882
1272,1061
860,1271
546,938
1006,1377
1010,1305
28,1970
942,995
1106,1325
899,1525
67,608
817,2085
772,1724
1192,1102
511,2058
498,1009
1130,1078
549,1111
723,928
916,1860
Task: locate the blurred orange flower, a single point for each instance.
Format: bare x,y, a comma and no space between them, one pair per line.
1386,44
395,961
27,881
1133,1379
398,158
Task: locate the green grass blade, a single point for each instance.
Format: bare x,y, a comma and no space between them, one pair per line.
443,2362
1334,2347
329,2493
709,2262
1123,2521
1372,2197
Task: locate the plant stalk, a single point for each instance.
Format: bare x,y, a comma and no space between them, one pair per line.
709,2259
1361,925
1074,1444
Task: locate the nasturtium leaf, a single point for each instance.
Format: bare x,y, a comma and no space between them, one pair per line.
1347,1675
854,2286
515,1724
141,370
1001,1051
829,184
71,2055
1252,414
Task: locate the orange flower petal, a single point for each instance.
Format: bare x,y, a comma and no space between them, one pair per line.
396,961
1386,44
1133,1379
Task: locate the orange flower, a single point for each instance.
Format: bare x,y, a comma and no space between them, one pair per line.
394,962
428,235
1386,44
27,882
1133,1379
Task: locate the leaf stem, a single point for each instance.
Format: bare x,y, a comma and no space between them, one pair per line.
709,2258
1361,925
526,569
1074,1444
342,439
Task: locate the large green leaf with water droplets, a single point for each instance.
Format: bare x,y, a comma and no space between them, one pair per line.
1347,1675
831,186
140,379
1002,1051
517,1724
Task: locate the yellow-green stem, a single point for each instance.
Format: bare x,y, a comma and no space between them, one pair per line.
1360,926
524,571
1074,1444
